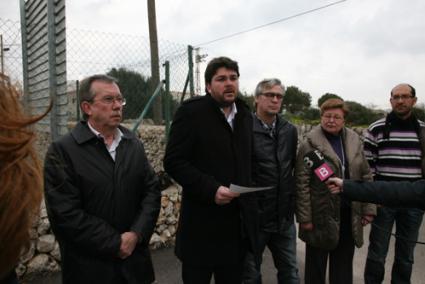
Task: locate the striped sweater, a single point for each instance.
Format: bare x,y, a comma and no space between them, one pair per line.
393,149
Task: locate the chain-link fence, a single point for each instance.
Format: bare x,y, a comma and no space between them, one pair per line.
11,50
126,57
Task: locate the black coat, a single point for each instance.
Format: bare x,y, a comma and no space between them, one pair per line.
91,200
203,153
394,193
273,165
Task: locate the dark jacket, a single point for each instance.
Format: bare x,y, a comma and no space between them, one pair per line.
315,204
273,165
91,200
402,194
202,154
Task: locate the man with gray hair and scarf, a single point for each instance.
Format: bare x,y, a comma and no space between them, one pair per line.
273,162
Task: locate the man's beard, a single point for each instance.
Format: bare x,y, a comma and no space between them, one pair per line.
404,113
226,103
223,104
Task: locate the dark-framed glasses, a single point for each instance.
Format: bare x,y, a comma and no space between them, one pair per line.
109,100
403,97
272,95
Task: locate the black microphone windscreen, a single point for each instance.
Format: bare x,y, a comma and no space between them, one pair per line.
315,161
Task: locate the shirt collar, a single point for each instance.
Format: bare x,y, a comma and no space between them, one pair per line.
231,115
266,126
117,136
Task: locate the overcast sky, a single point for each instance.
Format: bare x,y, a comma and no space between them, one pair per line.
358,49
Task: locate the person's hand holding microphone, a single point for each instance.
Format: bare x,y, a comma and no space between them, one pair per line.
335,185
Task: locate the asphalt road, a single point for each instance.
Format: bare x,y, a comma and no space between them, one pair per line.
167,266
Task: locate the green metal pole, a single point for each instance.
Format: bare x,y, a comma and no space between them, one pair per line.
167,99
184,88
190,62
148,105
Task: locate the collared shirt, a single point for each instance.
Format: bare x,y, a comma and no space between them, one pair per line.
231,115
117,139
271,128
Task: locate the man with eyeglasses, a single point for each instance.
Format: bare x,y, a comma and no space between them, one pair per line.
273,158
102,196
394,147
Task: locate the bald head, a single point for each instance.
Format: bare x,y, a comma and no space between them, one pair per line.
404,87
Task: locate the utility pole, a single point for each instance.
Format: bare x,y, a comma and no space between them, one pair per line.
2,50
1,54
153,39
198,59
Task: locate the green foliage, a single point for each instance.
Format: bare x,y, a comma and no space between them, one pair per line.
297,104
361,115
327,96
137,90
295,100
311,114
419,113
248,99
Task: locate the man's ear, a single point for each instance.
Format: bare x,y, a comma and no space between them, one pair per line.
86,107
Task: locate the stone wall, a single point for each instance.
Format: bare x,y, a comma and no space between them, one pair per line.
43,254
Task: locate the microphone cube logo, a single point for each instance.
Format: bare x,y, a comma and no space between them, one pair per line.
308,162
323,172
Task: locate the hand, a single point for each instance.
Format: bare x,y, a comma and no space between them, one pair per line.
224,195
367,219
306,226
335,185
128,243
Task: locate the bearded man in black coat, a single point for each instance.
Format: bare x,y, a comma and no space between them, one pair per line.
210,148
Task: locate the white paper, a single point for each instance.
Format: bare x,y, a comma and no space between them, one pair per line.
243,189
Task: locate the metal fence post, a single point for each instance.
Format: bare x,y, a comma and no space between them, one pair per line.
52,68
1,54
167,99
157,93
77,98
190,74
24,53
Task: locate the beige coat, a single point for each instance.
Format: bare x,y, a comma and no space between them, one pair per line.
315,204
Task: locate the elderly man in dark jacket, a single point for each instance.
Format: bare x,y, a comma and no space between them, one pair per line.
102,195
210,148
273,158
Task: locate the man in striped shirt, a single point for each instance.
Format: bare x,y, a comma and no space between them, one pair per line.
394,148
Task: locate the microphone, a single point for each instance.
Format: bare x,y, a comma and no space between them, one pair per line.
315,161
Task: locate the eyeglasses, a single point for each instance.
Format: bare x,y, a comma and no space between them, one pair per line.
273,95
401,97
109,100
334,117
